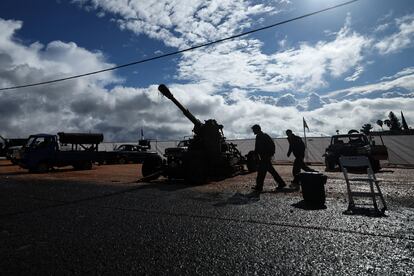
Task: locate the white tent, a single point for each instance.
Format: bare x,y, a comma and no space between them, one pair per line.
400,148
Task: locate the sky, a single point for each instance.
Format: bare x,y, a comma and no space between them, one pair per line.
339,69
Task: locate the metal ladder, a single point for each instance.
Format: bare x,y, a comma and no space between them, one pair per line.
361,164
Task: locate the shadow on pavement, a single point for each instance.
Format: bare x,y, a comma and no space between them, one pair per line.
240,199
367,212
302,205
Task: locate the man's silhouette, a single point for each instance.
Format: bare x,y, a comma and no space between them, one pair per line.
265,149
297,146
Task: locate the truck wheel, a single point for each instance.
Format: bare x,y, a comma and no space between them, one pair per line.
151,165
42,167
252,161
87,165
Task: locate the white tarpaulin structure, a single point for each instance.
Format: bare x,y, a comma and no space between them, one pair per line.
400,148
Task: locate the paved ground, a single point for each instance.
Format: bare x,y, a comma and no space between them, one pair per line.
102,222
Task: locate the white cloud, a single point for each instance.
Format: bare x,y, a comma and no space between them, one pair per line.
238,63
400,40
359,70
242,63
403,80
287,100
181,25
382,27
314,102
403,72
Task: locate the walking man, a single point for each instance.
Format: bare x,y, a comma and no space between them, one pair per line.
297,146
265,149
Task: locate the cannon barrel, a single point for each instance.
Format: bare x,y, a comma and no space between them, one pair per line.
166,92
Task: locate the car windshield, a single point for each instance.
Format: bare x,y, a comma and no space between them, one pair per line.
35,142
183,143
30,141
351,139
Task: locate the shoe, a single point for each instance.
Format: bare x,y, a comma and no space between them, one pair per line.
254,188
295,187
280,186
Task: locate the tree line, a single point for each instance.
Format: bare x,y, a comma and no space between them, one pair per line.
394,126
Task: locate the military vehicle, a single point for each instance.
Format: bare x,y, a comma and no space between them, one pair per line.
352,144
205,155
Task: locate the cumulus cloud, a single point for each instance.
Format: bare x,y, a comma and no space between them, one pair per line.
287,100
315,101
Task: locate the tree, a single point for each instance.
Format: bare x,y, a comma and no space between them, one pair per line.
395,123
366,128
380,123
387,123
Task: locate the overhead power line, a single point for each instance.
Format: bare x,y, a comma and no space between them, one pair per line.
178,52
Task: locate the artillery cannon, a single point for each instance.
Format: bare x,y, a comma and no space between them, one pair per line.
206,155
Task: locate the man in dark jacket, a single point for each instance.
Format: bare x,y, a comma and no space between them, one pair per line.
297,146
265,149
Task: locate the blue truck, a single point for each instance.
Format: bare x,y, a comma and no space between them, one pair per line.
43,152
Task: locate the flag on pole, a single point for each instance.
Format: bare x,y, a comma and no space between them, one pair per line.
305,125
404,123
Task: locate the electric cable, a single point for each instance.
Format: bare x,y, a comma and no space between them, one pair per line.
180,51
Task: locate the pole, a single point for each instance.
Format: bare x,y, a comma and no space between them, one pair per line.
306,144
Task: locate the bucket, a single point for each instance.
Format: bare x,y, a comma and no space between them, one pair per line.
313,188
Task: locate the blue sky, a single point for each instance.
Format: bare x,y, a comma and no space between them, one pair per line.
339,69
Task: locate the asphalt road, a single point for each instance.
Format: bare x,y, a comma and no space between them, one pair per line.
51,225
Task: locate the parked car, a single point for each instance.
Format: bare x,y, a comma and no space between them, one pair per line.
128,153
353,144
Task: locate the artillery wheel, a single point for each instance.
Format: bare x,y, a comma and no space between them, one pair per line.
151,165
252,161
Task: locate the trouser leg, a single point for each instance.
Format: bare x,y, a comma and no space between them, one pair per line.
261,174
302,165
296,167
275,175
